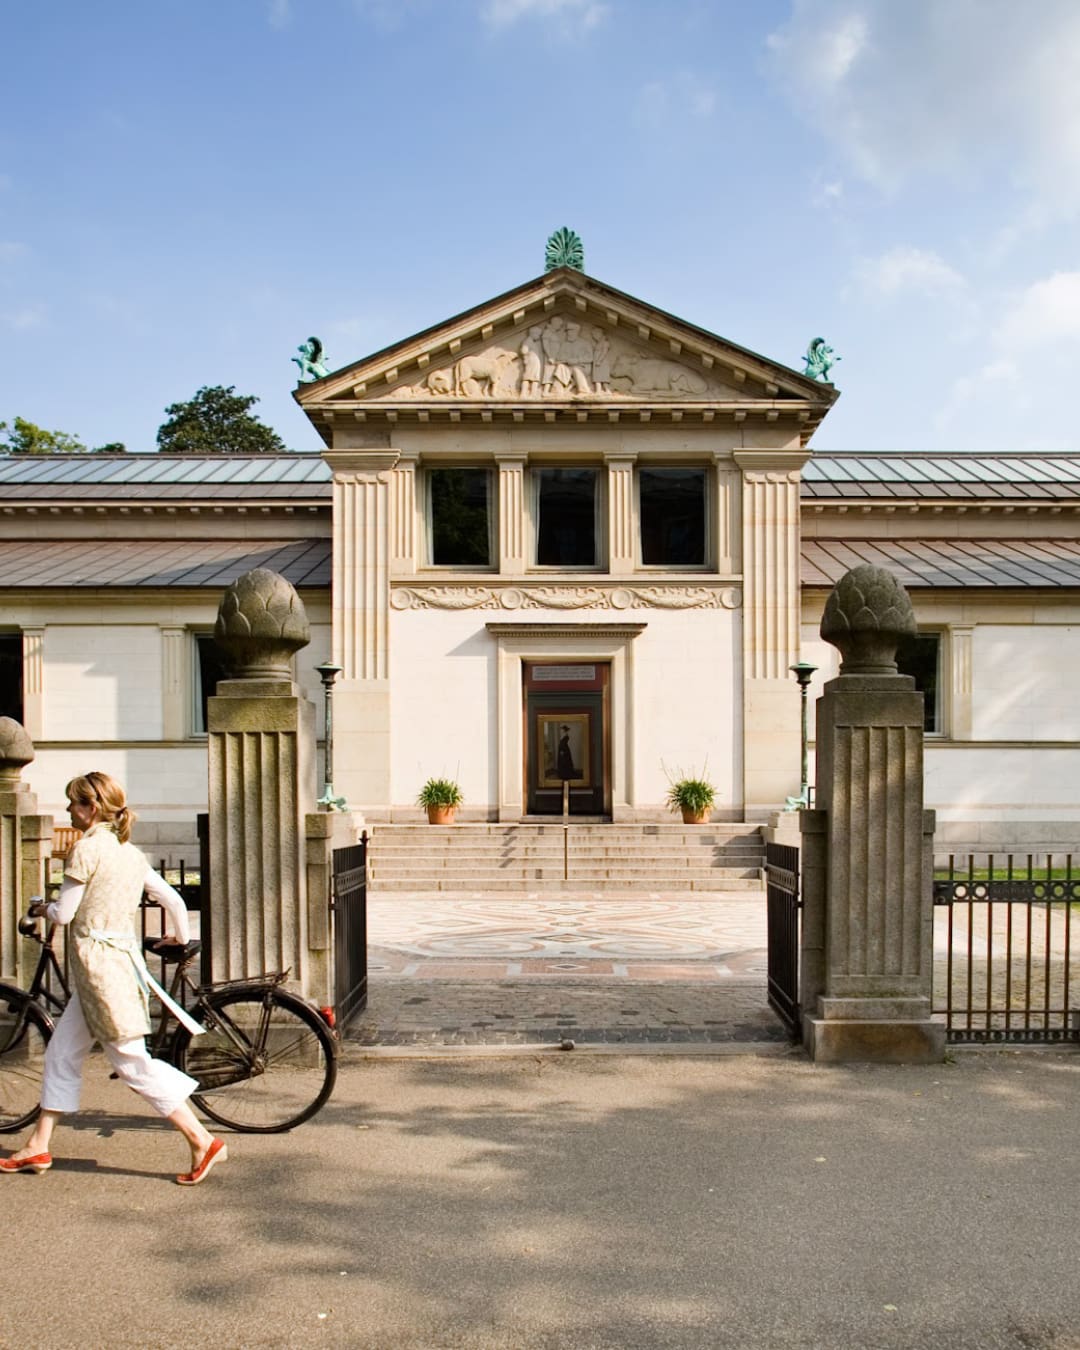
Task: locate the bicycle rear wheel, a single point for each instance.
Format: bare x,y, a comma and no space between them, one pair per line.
268,1067
24,1034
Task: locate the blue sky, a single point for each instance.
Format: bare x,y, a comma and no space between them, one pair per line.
188,188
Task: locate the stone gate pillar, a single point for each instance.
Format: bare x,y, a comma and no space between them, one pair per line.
25,845
262,786
867,961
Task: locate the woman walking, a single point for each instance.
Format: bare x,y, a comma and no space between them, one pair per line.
104,879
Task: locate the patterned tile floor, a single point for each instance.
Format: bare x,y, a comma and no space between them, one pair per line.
476,969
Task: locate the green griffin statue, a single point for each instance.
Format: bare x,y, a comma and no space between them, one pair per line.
819,359
311,363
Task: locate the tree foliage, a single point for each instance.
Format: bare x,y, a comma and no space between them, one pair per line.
216,421
25,438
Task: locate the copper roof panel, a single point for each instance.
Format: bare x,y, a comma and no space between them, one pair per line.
158,563
922,563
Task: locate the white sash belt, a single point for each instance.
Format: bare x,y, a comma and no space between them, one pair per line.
128,944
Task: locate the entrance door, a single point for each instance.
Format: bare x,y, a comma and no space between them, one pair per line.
566,738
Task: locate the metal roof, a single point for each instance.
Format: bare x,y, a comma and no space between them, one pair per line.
947,562
82,563
125,477
846,474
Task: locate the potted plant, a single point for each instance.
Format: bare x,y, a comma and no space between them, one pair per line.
694,797
441,797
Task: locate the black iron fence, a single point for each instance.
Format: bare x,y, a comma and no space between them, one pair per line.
1004,950
784,918
349,910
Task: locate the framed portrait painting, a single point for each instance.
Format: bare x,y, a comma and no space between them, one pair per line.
562,745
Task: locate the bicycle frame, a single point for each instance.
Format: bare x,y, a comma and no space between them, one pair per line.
48,965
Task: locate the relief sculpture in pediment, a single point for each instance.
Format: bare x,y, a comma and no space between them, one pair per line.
562,359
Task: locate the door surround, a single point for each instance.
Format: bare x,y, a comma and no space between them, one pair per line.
519,642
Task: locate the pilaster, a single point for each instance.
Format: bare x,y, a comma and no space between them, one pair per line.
770,564
405,532
175,657
959,652
512,513
622,515
726,516
361,622
34,682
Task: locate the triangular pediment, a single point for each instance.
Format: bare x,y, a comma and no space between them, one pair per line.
563,341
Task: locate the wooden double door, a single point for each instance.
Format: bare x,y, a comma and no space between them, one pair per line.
566,737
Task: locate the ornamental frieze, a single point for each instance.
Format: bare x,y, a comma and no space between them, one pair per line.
564,359
565,597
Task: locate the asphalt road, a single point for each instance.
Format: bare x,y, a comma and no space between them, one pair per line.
569,1200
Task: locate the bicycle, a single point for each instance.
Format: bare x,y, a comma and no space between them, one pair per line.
266,1062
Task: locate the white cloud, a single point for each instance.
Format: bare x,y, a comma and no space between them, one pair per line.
1045,313
904,270
580,15
681,96
25,319
974,90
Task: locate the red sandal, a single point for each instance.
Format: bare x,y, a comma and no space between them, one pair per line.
217,1152
40,1162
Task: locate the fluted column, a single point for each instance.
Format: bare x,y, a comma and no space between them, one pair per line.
512,514
622,516
770,614
363,529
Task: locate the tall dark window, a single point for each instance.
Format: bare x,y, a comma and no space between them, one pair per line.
920,657
460,517
672,506
209,668
11,676
566,517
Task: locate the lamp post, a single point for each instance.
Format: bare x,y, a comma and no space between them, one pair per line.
328,673
802,671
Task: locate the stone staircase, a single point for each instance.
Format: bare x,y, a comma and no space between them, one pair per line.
600,857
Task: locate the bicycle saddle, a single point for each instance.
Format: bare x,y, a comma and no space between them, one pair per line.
171,951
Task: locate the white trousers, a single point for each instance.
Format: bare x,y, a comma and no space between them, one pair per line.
163,1086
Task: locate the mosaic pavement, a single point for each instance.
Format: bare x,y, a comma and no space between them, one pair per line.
482,970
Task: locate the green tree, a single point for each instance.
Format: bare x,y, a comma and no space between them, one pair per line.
216,421
24,438
113,448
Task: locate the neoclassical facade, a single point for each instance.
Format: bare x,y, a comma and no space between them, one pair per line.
561,537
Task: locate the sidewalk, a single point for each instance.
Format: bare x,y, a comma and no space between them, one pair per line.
547,1201
665,969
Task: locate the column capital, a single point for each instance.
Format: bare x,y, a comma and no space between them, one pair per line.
787,462
615,458
510,457
367,463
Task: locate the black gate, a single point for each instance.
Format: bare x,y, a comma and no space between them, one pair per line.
1003,949
349,910
782,890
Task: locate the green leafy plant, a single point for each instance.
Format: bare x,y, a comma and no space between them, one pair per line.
440,792
691,794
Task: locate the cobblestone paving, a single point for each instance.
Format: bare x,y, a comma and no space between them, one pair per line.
488,970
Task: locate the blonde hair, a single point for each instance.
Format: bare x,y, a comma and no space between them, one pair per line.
98,789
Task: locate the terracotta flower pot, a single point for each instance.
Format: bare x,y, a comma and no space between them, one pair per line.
690,817
441,815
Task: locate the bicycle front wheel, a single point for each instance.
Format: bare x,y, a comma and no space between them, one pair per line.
266,1062
24,1035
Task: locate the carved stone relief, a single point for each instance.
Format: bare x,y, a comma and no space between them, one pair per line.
564,359
564,597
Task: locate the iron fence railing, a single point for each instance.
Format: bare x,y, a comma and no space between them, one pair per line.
784,907
1003,948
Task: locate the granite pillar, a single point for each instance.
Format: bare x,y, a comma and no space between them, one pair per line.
867,960
261,733
25,845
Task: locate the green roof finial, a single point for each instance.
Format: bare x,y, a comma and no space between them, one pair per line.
564,249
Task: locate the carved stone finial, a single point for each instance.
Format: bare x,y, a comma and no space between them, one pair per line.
820,359
564,249
312,361
261,622
866,616
16,749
